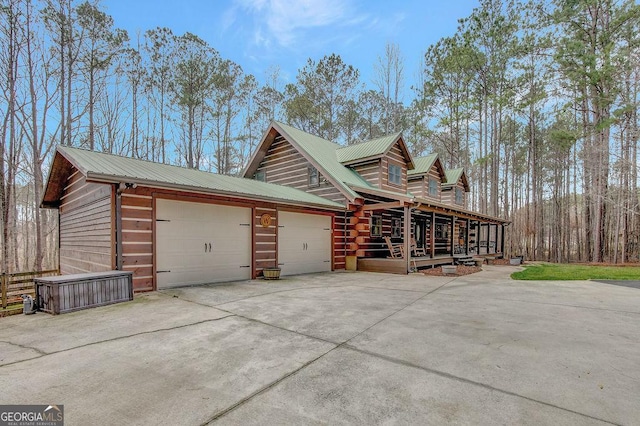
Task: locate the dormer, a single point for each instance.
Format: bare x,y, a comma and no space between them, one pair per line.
454,192
427,178
384,162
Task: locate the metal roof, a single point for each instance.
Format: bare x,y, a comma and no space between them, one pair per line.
422,164
369,149
453,176
97,166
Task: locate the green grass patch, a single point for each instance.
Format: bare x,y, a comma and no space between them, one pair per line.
562,272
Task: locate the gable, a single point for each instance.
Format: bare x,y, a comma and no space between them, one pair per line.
430,165
456,177
283,164
374,149
60,170
317,151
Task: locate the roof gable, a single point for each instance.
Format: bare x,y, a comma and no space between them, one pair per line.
318,151
108,168
424,164
456,175
373,149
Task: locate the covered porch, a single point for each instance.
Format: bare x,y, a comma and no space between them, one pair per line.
431,233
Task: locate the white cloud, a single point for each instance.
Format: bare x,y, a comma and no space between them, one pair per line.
287,23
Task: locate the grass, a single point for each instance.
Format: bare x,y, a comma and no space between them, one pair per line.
562,272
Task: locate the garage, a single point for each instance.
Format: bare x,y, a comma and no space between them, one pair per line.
304,243
200,243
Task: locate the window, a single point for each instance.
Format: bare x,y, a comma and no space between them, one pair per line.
314,177
395,174
433,188
441,231
459,196
376,226
260,175
396,228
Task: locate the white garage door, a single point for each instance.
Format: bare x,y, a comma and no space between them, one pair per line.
200,243
304,243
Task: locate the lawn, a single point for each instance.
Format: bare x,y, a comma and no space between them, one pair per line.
561,272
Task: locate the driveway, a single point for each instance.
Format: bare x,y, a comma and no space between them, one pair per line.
359,348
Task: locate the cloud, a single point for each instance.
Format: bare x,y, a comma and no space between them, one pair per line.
289,23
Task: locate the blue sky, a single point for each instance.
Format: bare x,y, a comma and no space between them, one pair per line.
259,34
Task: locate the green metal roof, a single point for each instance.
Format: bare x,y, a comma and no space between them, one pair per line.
453,176
324,154
422,164
112,168
373,148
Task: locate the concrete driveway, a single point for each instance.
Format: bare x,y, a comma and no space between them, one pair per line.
359,348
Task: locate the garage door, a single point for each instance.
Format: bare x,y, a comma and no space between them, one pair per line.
200,243
304,243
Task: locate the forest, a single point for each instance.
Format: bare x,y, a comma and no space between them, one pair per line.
538,101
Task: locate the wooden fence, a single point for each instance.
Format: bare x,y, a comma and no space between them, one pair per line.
15,285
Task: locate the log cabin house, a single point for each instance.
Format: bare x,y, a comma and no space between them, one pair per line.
385,193
304,205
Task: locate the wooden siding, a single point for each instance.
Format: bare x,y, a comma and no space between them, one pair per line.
342,239
449,195
394,156
284,165
419,186
265,239
86,227
137,236
370,172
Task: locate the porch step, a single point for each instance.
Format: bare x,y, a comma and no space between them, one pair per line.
464,260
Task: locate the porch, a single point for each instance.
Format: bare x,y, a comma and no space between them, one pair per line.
399,265
434,234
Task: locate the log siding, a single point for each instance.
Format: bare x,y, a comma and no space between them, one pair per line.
394,156
449,195
370,172
284,165
419,186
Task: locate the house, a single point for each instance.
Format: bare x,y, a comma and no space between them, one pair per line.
304,204
385,193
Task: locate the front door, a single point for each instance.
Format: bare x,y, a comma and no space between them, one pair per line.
420,232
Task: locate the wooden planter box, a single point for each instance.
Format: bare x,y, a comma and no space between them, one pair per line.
68,293
271,273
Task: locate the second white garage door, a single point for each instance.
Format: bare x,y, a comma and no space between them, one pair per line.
199,243
304,243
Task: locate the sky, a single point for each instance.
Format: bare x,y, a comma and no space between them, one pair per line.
262,34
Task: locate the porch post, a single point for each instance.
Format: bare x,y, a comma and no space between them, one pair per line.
466,238
407,236
432,235
452,238
502,240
